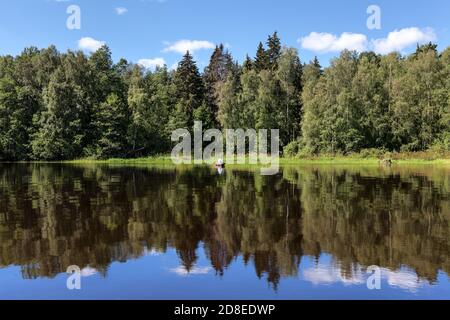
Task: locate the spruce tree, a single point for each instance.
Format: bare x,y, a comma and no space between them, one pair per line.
262,60
248,64
316,65
216,73
189,92
274,50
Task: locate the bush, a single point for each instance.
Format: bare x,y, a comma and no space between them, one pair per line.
292,149
372,153
442,145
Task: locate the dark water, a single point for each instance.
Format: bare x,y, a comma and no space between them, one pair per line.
160,233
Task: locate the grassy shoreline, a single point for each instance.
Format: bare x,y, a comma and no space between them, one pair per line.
326,160
418,158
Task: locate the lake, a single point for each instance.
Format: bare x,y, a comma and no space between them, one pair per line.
155,232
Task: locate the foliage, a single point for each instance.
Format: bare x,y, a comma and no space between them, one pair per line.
60,106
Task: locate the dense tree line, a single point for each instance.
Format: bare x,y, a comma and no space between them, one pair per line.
370,101
56,106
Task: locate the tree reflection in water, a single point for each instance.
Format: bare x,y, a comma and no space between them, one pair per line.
53,216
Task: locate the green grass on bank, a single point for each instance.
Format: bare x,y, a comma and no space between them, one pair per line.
357,159
160,160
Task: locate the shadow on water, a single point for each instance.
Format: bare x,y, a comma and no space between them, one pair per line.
53,216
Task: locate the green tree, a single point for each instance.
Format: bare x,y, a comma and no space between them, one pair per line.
216,73
189,93
342,116
138,107
247,98
60,135
419,98
373,100
111,121
15,121
289,73
262,59
229,112
273,50
270,112
160,91
248,64
443,138
312,94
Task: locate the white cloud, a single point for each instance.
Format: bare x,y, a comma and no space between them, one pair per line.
397,40
404,38
152,63
182,271
121,10
404,280
182,46
326,274
90,44
88,272
327,42
153,252
323,274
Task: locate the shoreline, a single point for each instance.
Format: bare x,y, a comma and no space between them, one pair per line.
320,160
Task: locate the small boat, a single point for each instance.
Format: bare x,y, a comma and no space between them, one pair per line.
220,164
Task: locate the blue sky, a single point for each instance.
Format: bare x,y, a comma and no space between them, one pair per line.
157,31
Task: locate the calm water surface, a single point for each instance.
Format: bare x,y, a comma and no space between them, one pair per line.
309,232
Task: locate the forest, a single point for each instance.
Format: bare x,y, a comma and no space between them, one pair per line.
62,106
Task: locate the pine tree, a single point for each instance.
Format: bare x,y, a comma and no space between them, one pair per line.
216,73
274,50
248,64
425,48
189,92
317,66
262,60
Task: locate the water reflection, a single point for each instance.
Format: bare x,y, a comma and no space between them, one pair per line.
53,216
